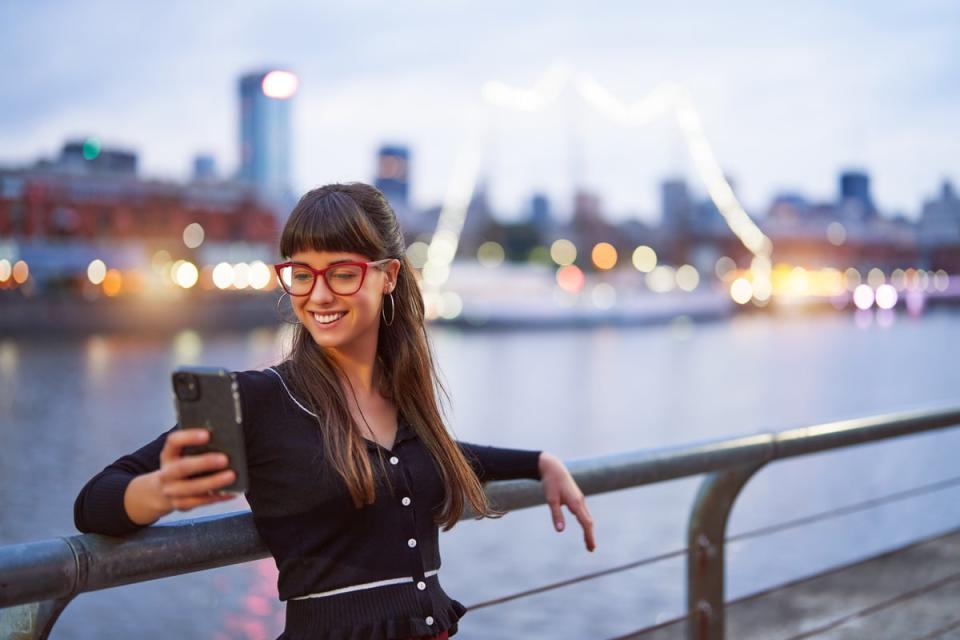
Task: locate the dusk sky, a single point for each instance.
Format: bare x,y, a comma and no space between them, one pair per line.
789,94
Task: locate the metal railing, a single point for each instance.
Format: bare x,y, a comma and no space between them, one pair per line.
39,579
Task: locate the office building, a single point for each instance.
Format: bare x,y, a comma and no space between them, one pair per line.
265,103
855,200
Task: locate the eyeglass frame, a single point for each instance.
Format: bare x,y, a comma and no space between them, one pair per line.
317,273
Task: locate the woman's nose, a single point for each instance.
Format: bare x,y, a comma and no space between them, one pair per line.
321,293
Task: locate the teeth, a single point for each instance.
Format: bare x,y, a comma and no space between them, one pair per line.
328,318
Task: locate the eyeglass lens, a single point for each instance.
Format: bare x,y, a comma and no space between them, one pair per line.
342,280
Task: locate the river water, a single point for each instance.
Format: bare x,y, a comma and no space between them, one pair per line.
68,407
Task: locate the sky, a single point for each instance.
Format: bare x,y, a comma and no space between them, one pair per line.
789,94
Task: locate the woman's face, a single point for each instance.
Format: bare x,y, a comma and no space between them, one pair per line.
343,321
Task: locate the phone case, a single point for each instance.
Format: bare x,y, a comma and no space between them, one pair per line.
209,398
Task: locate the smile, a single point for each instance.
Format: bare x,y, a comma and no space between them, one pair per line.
328,318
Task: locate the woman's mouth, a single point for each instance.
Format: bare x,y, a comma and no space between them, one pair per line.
328,319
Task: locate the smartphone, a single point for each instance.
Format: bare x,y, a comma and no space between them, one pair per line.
209,398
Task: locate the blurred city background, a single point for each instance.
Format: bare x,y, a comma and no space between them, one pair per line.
635,226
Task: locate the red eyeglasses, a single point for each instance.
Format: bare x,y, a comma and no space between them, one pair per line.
343,278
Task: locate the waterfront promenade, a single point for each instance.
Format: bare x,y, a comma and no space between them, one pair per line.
911,593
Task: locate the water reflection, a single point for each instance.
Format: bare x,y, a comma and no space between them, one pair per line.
187,348
9,360
96,358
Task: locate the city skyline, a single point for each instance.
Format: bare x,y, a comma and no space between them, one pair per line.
879,98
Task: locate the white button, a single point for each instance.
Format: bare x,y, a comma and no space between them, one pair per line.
429,620
394,459
406,501
411,543
421,585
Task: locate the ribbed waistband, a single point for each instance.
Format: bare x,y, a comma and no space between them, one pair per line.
366,585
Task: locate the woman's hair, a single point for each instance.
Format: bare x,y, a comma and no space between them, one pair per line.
356,218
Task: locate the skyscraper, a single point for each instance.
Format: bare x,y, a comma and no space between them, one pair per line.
540,211
855,194
677,216
393,174
393,179
265,133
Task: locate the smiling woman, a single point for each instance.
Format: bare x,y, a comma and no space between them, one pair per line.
351,468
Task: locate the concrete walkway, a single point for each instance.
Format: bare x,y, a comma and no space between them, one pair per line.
912,593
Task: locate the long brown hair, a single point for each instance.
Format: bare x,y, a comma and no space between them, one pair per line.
357,218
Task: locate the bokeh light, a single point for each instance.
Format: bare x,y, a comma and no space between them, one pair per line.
112,283
687,277
450,305
241,275
644,259
280,85
490,254
91,148
96,271
875,278
259,274
604,256
898,278
417,254
603,295
20,272
863,296
223,275
852,279
160,262
5,270
570,278
886,296
836,234
193,235
539,255
724,267
662,279
741,290
941,280
186,274
442,248
563,252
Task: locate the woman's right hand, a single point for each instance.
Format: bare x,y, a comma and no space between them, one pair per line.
177,488
151,496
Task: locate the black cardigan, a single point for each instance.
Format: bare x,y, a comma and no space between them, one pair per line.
379,561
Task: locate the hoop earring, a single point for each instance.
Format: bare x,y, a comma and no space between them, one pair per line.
393,310
280,313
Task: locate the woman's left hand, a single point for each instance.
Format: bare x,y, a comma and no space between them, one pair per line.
560,488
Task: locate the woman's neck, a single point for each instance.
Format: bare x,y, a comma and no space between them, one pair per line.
358,364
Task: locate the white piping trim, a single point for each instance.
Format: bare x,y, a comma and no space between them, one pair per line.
285,388
365,585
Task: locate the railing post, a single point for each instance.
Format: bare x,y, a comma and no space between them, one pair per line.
32,621
706,532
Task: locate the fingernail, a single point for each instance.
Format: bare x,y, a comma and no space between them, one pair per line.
559,526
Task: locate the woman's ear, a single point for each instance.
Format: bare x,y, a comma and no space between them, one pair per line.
393,272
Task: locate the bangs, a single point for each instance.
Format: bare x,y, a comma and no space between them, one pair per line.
332,222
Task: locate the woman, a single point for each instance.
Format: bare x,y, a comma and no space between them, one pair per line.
351,469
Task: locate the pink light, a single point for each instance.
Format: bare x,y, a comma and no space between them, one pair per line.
570,278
